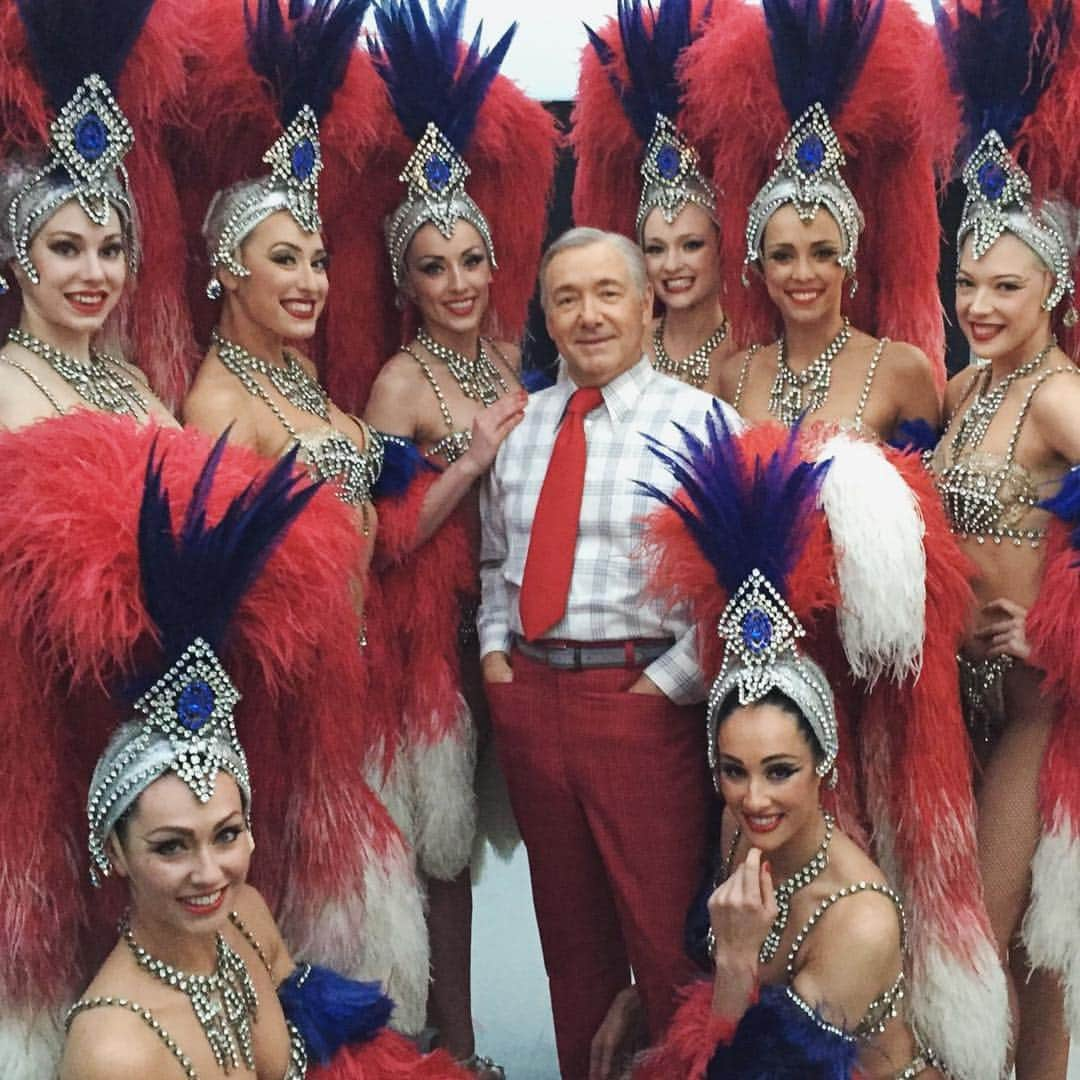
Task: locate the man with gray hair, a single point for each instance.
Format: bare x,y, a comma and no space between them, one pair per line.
592,681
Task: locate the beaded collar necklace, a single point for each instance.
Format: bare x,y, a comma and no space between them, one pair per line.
97,381
980,414
291,381
479,379
694,368
224,1002
794,393
787,889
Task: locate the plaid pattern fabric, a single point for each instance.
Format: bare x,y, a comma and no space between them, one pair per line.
607,599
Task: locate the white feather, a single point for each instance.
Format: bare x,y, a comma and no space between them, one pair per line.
877,531
961,1009
1051,930
31,1042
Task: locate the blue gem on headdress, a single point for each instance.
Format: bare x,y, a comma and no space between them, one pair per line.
810,153
195,704
303,159
992,180
91,137
668,161
437,172
757,630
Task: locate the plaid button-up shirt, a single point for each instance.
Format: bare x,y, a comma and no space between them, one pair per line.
608,599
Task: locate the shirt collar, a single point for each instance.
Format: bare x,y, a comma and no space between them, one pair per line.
621,395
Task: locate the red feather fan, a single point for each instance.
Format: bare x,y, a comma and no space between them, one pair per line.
154,319
897,127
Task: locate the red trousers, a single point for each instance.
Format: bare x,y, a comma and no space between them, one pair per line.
611,792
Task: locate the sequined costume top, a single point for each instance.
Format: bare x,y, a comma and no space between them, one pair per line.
335,458
990,496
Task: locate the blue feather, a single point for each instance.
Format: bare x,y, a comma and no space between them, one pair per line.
194,578
1066,504
402,460
539,377
740,523
776,1040
419,58
331,1011
916,435
652,46
305,58
998,64
816,58
70,39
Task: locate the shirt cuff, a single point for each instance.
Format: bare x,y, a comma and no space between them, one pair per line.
678,677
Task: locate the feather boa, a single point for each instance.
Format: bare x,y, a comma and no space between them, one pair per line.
69,491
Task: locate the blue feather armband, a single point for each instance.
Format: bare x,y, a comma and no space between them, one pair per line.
331,1011
916,435
402,460
1066,504
777,1039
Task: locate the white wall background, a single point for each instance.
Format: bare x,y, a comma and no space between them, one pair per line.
544,55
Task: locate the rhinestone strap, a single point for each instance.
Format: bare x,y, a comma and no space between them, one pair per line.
224,1002
868,382
479,379
744,371
291,381
98,381
143,1014
252,940
794,393
693,369
787,889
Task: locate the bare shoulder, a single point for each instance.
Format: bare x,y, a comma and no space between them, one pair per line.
908,361
1054,409
957,388
259,922
391,405
216,400
112,1043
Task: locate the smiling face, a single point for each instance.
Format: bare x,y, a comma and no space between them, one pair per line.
448,280
800,268
999,299
683,257
285,290
595,313
766,773
82,268
183,859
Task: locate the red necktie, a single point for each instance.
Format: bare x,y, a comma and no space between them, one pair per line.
549,565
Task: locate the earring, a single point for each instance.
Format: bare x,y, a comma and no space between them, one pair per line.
213,289
832,778
399,300
5,288
1070,318
853,287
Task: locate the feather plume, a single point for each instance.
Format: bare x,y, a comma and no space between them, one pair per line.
999,63
305,59
820,57
1066,505
419,58
71,39
741,515
652,45
193,580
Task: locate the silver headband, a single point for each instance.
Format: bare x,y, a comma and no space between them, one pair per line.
88,142
999,200
435,175
295,161
760,632
671,177
184,725
808,177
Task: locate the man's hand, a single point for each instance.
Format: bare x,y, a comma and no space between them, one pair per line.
620,1035
645,685
495,667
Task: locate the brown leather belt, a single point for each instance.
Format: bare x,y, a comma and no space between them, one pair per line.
576,655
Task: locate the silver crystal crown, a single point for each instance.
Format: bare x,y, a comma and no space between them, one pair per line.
671,176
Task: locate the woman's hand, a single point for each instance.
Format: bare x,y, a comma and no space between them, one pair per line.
742,910
490,428
620,1036
1006,634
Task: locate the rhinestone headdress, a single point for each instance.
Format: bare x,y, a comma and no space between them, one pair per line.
304,61
192,581
79,51
671,177
750,518
436,92
809,178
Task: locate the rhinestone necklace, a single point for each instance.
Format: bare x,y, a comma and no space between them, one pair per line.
97,381
786,889
291,381
694,368
793,394
479,379
224,1002
974,424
